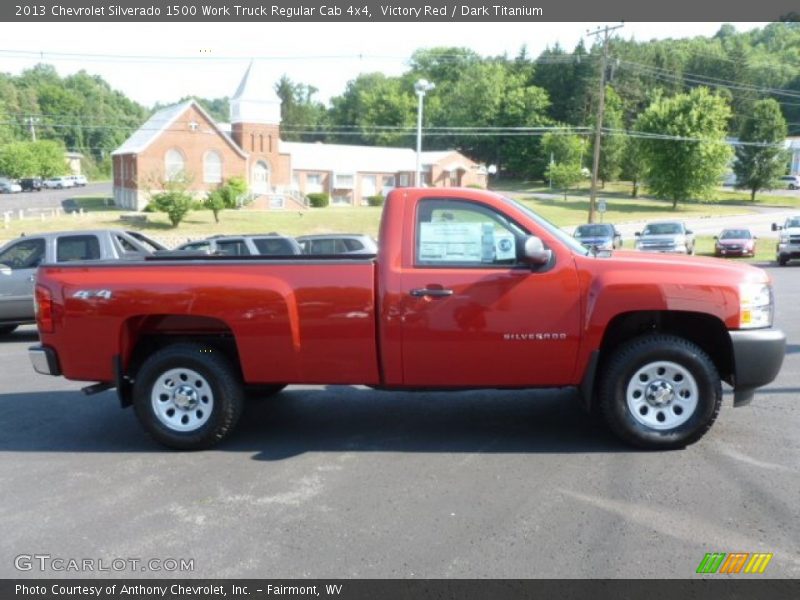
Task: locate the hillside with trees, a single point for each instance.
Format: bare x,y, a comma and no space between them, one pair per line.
497,110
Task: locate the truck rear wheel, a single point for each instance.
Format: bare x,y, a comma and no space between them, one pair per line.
188,396
660,392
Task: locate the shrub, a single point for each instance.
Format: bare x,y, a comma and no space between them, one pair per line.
376,200
318,199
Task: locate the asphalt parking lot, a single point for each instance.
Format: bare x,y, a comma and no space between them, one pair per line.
350,482
47,199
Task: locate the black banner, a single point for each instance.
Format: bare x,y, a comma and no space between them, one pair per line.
394,10
504,589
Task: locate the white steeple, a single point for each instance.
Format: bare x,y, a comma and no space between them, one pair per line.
255,100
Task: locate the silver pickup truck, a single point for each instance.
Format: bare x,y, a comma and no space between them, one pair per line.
19,259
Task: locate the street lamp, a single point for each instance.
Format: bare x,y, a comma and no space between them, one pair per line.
421,87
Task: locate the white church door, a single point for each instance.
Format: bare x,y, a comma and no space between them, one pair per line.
260,177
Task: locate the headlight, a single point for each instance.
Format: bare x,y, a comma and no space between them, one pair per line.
755,305
784,238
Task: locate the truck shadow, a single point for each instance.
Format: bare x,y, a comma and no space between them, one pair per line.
337,419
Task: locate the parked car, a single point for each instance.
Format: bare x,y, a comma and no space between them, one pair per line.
788,241
665,236
337,243
58,183
735,242
19,259
31,184
792,182
245,245
7,186
78,180
599,236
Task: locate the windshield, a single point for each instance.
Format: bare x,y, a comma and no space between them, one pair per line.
594,230
662,229
564,238
735,234
793,222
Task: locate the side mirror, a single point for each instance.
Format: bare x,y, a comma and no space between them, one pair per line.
534,251
638,233
755,237
689,232
776,227
716,237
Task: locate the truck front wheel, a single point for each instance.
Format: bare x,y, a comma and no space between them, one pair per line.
660,392
188,396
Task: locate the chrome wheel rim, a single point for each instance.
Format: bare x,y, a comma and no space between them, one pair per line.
182,400
662,395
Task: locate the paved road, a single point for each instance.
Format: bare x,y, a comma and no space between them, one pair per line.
50,198
348,482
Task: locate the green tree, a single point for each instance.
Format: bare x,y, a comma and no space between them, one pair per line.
684,148
564,148
44,158
299,111
174,199
761,162
633,166
564,175
17,160
230,194
49,157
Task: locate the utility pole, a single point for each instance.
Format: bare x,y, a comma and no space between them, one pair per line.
601,107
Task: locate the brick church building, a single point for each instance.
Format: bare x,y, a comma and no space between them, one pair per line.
183,140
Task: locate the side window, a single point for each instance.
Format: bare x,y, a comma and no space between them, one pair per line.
462,233
323,247
352,245
197,246
77,247
272,247
125,245
25,254
232,248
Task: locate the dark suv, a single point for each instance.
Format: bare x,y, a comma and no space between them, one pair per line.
31,184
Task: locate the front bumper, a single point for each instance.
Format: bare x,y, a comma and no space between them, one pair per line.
758,355
44,360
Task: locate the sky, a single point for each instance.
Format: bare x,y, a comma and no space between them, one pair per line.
162,62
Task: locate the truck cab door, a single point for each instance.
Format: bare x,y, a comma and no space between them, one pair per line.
474,313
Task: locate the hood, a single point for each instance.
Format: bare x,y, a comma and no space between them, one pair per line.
681,266
662,237
735,241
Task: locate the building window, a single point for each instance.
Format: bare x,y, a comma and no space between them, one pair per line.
403,180
343,181
212,167
388,184
369,185
173,164
295,181
313,183
261,141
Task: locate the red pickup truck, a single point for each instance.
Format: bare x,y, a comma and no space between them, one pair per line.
469,289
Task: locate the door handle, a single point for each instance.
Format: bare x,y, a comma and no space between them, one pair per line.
431,292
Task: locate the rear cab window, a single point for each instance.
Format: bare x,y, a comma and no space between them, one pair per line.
77,247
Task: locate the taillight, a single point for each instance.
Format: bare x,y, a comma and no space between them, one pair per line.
43,301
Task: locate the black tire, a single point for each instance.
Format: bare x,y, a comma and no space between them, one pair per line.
687,369
254,393
200,377
782,260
